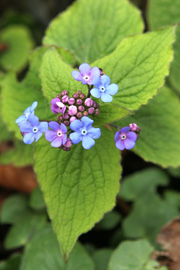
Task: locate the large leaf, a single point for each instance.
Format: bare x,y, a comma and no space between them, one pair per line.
12,263
93,29
4,134
163,12
17,96
78,186
133,255
56,76
101,258
19,43
43,251
139,66
159,140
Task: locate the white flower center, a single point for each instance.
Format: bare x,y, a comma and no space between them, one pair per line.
123,137
35,129
60,105
59,133
83,131
102,88
86,77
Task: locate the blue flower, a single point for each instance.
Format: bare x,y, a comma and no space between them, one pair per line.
103,89
125,138
29,111
84,132
33,130
86,74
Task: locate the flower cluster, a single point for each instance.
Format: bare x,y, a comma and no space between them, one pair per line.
73,123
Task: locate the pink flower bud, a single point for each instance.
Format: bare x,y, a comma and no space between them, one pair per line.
79,101
66,116
72,110
79,92
81,108
88,102
65,92
71,101
68,143
75,95
60,118
82,96
97,111
58,96
85,113
66,123
95,104
72,119
79,115
133,126
91,110
65,99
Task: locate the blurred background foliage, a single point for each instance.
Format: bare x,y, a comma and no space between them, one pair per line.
143,230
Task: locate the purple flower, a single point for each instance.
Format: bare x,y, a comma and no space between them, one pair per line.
57,106
57,136
29,111
125,139
103,89
88,102
84,132
33,129
86,74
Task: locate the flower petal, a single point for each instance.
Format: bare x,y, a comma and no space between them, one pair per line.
96,81
84,69
55,100
28,110
50,135
64,139
112,89
95,93
38,136
25,127
54,125
28,138
116,136
105,80
33,106
34,120
76,125
106,97
132,136
87,122
124,129
43,126
20,119
94,133
63,128
129,144
76,75
57,142
87,142
75,137
120,145
94,72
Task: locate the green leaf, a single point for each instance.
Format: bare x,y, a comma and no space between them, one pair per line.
157,141
170,13
131,255
94,29
20,155
101,258
172,197
78,186
22,231
139,66
67,56
14,208
4,134
11,263
43,250
19,42
17,96
148,215
141,183
175,172
109,221
56,76
36,201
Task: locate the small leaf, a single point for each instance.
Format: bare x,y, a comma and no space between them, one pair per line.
101,258
36,200
139,66
109,221
141,183
14,208
131,255
159,140
37,253
94,29
19,43
78,186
